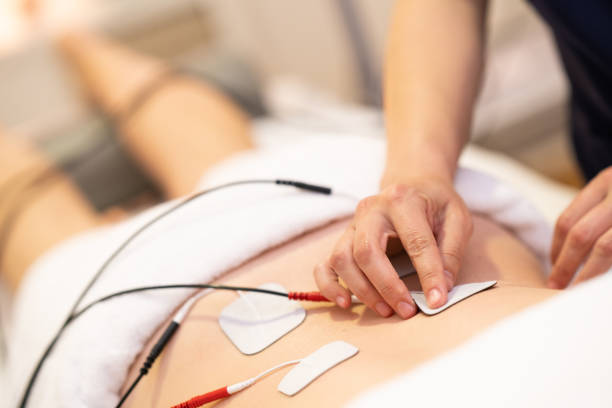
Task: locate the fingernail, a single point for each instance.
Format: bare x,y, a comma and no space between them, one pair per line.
450,280
340,301
383,309
433,298
553,285
405,309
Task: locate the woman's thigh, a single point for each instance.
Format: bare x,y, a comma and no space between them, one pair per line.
175,127
34,217
201,358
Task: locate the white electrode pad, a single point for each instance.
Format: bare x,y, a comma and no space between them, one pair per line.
314,365
255,320
458,293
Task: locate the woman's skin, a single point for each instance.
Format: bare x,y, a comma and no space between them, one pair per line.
200,358
46,216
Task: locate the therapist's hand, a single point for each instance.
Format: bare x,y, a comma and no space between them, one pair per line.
583,234
433,225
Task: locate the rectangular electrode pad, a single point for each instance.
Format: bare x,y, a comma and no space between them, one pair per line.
255,320
456,295
314,365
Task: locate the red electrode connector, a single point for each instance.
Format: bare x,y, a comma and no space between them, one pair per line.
308,296
200,400
225,392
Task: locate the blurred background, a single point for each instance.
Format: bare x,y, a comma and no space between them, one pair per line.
279,56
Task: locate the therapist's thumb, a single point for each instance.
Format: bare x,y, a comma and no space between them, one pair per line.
453,238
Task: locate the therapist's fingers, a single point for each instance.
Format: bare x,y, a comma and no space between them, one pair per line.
587,198
326,277
414,230
369,253
329,286
342,263
453,238
578,243
599,261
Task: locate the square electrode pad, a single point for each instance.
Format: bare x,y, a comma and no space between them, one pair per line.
255,320
314,365
456,295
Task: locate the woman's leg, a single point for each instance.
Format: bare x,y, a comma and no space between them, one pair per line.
177,134
179,130
33,220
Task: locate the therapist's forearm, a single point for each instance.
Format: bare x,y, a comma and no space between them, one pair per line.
433,67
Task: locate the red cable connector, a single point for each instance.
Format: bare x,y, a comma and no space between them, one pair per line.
225,392
200,400
308,296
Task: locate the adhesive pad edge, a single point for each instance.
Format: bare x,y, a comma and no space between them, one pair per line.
456,295
315,364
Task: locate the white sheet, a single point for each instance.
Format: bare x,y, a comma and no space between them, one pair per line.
196,245
556,354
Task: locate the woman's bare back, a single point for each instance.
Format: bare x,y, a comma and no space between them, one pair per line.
201,358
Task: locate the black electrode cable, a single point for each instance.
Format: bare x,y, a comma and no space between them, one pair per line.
129,390
177,320
174,324
176,286
172,327
297,184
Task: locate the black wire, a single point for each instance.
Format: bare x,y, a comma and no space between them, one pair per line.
129,391
149,223
161,343
174,286
134,235
171,329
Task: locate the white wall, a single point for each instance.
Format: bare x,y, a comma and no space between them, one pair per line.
303,38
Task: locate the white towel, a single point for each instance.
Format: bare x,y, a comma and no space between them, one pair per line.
195,245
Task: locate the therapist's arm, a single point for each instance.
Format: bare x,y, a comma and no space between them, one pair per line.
432,73
433,66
